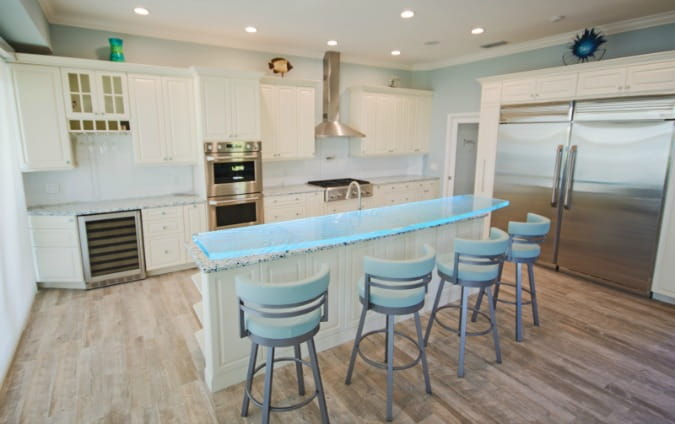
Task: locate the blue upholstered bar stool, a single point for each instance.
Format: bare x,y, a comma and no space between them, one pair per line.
277,315
394,287
473,264
524,248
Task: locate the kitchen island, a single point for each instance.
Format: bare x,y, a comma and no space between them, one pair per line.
292,250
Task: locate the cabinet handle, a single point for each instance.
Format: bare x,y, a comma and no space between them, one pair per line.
163,227
166,252
627,87
163,212
620,87
391,151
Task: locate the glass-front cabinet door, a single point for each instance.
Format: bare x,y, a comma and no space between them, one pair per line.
113,95
80,94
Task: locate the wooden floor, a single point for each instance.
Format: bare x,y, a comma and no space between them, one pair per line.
127,354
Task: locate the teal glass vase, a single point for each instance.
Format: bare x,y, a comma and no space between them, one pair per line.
116,49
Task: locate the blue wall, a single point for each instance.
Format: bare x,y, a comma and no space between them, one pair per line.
456,89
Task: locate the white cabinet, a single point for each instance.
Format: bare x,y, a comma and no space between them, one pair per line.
230,108
285,207
56,251
649,78
287,121
166,231
45,142
163,119
96,100
399,193
601,82
545,88
394,121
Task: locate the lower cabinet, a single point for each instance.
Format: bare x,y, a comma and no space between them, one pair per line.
166,232
399,193
56,250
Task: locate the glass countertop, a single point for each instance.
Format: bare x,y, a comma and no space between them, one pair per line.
342,228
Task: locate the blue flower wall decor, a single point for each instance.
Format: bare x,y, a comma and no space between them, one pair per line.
585,47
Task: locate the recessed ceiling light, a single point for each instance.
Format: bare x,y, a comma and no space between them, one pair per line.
141,11
432,43
407,14
251,29
395,52
331,43
556,18
477,30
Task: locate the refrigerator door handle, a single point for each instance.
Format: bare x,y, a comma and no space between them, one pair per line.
570,177
556,175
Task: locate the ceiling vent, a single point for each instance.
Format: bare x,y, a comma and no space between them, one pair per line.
495,44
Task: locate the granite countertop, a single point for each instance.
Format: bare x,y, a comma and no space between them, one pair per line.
119,205
237,247
306,188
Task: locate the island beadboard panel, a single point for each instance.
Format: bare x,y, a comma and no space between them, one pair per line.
226,354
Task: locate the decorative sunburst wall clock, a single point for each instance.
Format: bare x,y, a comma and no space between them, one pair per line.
585,47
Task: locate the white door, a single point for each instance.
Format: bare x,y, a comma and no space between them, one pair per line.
369,119
81,100
245,109
148,129
562,86
422,124
465,159
216,113
606,81
653,77
42,120
179,118
288,141
386,116
112,95
195,220
404,124
269,125
306,121
518,90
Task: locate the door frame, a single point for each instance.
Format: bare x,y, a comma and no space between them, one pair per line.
452,128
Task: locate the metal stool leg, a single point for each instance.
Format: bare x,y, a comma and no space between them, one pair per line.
433,311
474,315
461,316
267,399
249,378
355,349
317,381
519,302
493,320
298,371
386,338
533,293
423,353
499,279
462,331
390,368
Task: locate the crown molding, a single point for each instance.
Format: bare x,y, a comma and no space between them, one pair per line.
554,40
6,51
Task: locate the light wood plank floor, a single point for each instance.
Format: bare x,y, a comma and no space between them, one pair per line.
127,354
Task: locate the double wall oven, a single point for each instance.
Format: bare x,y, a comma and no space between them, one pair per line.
233,183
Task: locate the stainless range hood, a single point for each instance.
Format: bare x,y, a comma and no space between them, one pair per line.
331,125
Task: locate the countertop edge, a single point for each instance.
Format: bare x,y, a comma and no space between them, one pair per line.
90,208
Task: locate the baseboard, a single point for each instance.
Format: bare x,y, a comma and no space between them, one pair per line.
170,269
663,298
69,285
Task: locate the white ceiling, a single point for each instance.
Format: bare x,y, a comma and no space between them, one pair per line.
367,30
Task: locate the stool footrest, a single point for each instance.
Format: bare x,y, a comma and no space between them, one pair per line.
511,302
293,407
454,329
383,365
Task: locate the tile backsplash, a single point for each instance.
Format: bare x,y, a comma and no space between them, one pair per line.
105,171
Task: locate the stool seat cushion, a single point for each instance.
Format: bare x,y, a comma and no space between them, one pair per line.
283,328
392,298
524,251
467,272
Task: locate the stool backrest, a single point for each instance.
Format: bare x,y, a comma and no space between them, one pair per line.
282,300
404,274
534,230
481,253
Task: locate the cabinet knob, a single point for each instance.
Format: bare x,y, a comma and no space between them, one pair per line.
166,252
163,212
68,162
620,87
163,227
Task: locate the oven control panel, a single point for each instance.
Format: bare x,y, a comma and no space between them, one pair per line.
231,146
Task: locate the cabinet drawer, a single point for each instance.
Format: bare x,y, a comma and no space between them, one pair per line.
161,227
54,237
163,213
65,222
164,252
285,200
284,213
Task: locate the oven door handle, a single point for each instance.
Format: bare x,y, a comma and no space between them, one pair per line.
230,158
233,201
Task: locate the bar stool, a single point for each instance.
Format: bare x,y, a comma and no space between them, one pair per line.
277,315
524,248
473,264
394,288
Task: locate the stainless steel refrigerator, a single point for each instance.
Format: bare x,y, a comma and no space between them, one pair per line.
598,170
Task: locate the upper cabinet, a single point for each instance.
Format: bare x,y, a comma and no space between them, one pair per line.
394,121
162,110
45,142
550,87
230,108
287,121
651,78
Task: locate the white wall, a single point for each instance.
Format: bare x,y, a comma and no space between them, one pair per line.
17,280
105,170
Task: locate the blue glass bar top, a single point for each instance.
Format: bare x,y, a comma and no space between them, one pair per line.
326,231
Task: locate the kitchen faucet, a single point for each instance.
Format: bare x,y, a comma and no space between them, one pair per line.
358,191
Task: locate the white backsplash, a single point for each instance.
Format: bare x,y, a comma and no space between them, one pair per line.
105,171
332,160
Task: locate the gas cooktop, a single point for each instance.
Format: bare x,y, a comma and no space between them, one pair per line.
338,189
338,182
